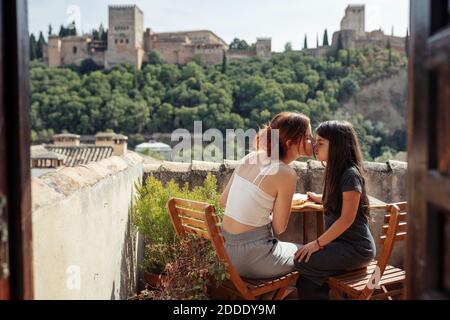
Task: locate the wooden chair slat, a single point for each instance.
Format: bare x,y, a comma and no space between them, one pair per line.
403,216
275,285
392,280
402,206
365,276
365,270
385,295
264,282
252,282
190,213
194,223
386,275
401,227
398,237
197,231
196,205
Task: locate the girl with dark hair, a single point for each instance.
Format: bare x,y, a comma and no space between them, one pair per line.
347,242
258,198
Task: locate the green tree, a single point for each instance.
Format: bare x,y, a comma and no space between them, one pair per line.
70,30
288,47
154,58
305,42
347,88
325,38
224,62
40,46
340,44
239,44
295,91
388,47
88,66
33,48
62,31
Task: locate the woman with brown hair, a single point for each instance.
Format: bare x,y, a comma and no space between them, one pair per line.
258,198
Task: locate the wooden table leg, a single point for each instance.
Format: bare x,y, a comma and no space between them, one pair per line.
320,224
305,229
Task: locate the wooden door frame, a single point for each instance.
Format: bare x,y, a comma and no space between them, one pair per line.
15,146
427,187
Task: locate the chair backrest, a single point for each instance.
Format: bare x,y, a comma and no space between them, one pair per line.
393,230
199,218
401,225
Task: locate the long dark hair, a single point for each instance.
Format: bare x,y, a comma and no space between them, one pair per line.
343,152
290,126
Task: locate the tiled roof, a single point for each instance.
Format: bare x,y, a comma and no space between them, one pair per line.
40,152
81,154
111,135
66,135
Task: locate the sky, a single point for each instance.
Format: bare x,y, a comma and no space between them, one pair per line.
282,20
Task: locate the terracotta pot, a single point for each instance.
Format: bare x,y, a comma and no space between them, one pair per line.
154,279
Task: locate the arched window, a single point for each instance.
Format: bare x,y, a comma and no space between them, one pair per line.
75,49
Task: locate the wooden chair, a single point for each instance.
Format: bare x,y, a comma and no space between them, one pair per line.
200,219
361,284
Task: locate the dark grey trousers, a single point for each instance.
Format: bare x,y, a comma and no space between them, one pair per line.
258,254
337,257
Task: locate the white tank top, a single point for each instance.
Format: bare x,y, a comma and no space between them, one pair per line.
247,203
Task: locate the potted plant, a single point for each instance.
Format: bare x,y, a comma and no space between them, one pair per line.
164,252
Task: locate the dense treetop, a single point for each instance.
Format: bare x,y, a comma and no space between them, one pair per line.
246,94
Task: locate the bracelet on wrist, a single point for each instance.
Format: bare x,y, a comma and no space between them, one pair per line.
318,244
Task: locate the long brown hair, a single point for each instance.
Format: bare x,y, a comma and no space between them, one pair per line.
343,152
290,126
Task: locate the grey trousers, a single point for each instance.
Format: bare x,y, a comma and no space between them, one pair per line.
258,254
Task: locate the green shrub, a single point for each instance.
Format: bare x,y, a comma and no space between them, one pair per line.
151,217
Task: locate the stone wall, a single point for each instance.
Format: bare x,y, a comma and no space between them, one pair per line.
384,181
84,246
240,54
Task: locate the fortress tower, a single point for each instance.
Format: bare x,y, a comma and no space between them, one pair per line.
125,36
264,48
354,20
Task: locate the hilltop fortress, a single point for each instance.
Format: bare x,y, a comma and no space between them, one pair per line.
353,34
128,42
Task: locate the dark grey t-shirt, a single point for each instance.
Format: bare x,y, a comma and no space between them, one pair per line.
358,234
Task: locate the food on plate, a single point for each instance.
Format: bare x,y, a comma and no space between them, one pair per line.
299,199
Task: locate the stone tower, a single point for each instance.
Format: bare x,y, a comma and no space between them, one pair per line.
264,48
125,36
354,20
53,51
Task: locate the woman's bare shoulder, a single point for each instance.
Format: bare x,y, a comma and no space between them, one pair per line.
284,173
